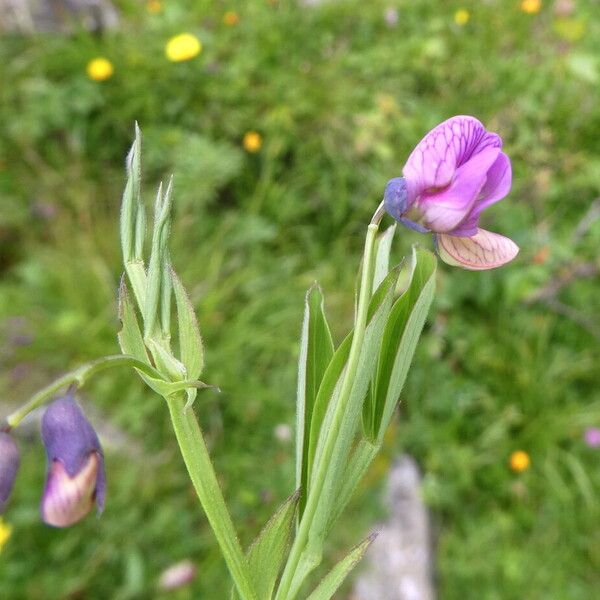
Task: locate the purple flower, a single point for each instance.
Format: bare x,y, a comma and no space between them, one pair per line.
456,171
592,437
75,478
9,465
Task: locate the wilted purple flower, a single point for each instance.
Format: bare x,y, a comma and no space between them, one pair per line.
456,171
592,437
9,465
75,478
177,575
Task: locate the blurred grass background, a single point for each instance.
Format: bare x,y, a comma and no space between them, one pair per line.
339,92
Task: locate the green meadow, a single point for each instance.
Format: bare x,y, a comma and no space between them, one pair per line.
339,93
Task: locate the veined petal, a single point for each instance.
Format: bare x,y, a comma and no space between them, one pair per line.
445,148
445,210
497,185
499,180
484,250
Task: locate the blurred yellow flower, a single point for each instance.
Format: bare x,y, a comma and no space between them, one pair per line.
154,6
5,531
252,141
519,461
230,18
386,103
100,69
531,6
184,46
461,16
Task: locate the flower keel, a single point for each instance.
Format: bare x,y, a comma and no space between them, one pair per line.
76,479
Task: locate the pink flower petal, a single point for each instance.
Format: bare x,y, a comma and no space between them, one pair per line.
484,250
443,211
499,180
433,162
68,499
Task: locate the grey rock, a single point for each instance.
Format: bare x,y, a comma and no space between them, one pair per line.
28,16
399,562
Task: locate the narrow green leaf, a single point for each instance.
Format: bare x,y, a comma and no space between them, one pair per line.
130,201
130,336
316,350
400,338
379,309
267,553
362,456
154,271
334,579
158,287
165,362
382,255
132,343
328,391
191,347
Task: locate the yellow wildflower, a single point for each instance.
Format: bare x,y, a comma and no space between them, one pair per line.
100,69
154,6
531,6
184,46
252,141
461,16
5,531
386,103
230,18
519,461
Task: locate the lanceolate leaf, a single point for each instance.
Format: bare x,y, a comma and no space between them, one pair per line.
326,395
158,286
131,341
130,336
382,256
190,341
316,350
268,551
362,456
379,309
334,579
400,339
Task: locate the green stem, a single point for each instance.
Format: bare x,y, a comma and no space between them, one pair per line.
201,472
291,580
78,376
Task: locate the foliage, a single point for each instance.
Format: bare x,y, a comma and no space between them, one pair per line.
339,98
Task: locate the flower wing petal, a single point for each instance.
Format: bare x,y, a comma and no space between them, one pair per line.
484,250
445,210
499,180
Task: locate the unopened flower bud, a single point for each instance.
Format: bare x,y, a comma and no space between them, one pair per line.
75,478
9,465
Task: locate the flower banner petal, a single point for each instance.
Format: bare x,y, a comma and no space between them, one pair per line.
436,157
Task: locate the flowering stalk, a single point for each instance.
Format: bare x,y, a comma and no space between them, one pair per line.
152,290
201,471
293,577
78,377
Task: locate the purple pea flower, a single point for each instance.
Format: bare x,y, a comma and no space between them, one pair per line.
456,171
9,465
75,478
